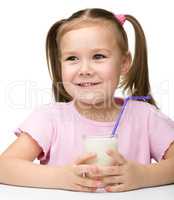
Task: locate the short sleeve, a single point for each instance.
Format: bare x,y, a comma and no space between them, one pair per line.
161,133
39,126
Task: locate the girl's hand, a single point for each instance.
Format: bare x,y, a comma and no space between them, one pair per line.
72,177
122,175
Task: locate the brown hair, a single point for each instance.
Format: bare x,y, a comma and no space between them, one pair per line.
135,82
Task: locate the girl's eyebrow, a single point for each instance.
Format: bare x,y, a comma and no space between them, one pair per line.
94,50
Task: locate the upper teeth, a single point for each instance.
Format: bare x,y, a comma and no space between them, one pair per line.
86,84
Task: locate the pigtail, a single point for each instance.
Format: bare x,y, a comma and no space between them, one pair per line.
54,65
137,79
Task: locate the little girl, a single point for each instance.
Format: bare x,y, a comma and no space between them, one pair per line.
88,58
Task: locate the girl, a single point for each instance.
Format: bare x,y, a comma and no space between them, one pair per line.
88,58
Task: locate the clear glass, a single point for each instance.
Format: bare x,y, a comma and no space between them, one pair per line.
99,145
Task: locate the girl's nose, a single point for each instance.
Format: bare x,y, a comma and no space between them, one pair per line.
85,69
84,74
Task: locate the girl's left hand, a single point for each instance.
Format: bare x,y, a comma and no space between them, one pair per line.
122,175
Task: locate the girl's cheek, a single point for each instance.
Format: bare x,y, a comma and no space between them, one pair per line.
68,73
71,69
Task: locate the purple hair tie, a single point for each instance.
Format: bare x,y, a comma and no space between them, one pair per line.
120,18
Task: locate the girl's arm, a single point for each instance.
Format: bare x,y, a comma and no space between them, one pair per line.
163,172
17,168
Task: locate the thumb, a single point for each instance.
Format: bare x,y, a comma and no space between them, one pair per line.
83,159
118,159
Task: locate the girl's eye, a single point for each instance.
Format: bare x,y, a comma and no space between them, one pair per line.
71,58
98,56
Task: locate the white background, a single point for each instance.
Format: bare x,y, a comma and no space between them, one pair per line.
24,78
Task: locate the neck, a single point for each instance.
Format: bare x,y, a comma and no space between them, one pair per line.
102,111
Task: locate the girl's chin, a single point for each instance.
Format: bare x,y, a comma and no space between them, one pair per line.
88,102
93,99
91,102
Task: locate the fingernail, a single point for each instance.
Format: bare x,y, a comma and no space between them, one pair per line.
98,179
93,189
98,183
108,189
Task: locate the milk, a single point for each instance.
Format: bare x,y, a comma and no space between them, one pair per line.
99,145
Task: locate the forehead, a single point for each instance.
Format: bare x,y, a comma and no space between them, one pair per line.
94,36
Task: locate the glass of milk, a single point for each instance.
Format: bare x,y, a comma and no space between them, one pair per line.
99,145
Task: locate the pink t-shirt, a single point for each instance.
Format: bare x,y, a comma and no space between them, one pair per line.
143,132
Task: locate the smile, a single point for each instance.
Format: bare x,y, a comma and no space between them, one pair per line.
87,84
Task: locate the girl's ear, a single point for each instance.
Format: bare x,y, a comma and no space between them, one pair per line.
126,63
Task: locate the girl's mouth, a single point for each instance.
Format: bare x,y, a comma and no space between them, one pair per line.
87,84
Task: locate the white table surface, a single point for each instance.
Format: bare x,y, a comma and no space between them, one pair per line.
23,193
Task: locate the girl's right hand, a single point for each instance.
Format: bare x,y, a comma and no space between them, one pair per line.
72,176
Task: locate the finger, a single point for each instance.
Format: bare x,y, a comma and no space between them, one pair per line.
85,158
117,157
85,170
95,171
115,188
81,188
86,182
112,180
109,171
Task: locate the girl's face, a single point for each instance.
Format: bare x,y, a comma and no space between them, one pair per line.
91,64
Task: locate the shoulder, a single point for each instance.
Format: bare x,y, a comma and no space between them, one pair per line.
141,107
53,106
144,109
140,111
53,109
